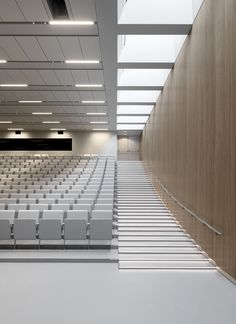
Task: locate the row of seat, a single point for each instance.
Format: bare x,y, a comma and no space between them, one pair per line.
70,201
54,226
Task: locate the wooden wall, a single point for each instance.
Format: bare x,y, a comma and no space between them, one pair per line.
189,142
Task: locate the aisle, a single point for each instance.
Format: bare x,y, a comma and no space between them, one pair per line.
149,235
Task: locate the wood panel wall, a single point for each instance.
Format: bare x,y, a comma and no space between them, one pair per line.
189,142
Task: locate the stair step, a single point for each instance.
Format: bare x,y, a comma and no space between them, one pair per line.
157,250
184,245
162,257
153,239
168,265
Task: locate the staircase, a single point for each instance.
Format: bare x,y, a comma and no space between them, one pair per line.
149,237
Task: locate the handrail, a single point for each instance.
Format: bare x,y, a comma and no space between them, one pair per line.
189,211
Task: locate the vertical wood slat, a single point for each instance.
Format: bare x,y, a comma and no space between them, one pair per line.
189,142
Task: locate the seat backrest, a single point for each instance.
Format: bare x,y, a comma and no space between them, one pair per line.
17,206
5,229
63,207
53,214
102,214
39,207
29,214
77,214
7,214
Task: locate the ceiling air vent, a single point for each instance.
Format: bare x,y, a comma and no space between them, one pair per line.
58,9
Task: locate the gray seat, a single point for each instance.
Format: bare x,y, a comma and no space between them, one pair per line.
17,206
78,214
99,206
53,214
75,228
63,207
46,201
108,214
40,207
8,215
27,201
25,230
87,207
29,214
5,230
101,229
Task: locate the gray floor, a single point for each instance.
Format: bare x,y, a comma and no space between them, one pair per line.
43,293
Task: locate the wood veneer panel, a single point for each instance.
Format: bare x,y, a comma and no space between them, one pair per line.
189,142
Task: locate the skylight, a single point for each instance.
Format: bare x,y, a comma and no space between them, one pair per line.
157,11
134,109
130,126
149,48
142,77
137,96
132,119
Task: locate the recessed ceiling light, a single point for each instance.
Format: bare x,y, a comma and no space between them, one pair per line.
15,129
71,22
82,61
51,122
30,101
96,114
93,101
5,122
57,129
3,61
100,129
41,113
89,85
13,85
98,122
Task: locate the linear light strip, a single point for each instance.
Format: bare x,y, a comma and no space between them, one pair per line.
71,22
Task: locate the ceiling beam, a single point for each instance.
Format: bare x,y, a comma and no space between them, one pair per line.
51,104
51,88
153,29
33,65
30,29
159,88
131,65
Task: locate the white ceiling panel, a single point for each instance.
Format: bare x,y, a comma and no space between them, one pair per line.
51,48
96,76
9,11
33,10
31,48
5,77
81,77
7,96
28,95
83,9
49,77
47,95
71,48
90,48
18,76
61,96
73,95
13,49
65,77
34,77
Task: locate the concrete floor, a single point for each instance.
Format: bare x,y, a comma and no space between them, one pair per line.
62,293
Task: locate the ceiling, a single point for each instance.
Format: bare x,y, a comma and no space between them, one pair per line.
131,53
